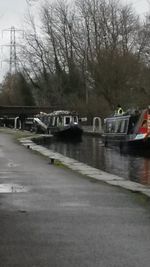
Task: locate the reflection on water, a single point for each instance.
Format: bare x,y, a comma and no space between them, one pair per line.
91,151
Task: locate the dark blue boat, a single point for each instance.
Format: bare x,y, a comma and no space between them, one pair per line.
131,129
61,123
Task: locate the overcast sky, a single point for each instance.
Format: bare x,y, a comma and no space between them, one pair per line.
12,13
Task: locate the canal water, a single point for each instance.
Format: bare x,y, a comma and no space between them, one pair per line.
134,166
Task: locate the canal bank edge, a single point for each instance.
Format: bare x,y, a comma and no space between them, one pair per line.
83,168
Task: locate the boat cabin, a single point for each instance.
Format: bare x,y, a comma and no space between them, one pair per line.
61,123
62,118
120,124
128,127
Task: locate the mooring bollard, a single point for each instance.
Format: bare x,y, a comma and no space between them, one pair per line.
52,160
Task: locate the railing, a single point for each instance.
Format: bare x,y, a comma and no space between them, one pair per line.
96,126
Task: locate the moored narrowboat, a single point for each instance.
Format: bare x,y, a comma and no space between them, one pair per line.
60,123
130,128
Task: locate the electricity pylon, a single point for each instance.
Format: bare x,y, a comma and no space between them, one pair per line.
13,54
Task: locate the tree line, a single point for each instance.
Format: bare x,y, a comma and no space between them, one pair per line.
87,55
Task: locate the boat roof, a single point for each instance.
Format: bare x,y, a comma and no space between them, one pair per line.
126,115
62,113
58,113
117,117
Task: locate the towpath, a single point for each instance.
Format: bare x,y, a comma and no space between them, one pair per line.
51,216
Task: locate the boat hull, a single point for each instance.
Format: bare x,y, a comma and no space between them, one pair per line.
71,132
127,142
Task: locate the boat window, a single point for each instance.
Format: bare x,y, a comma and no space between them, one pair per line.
118,126
59,121
121,126
132,124
110,126
67,120
54,121
49,120
75,119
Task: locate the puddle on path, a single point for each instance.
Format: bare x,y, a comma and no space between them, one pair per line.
12,188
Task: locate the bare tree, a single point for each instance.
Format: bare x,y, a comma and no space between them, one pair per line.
93,49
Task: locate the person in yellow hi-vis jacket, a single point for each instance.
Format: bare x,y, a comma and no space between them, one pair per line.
119,110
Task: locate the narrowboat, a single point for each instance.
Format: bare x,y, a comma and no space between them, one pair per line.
130,128
60,123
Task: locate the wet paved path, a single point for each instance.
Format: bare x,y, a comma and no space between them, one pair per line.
51,216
